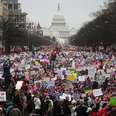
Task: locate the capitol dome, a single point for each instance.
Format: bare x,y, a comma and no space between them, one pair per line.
58,27
58,20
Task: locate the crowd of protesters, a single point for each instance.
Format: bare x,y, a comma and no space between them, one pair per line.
59,82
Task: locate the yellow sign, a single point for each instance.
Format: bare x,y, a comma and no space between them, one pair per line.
72,76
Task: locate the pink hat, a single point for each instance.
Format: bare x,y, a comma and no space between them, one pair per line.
45,94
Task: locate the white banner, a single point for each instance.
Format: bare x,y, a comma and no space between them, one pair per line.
64,96
91,73
50,84
81,78
107,75
97,92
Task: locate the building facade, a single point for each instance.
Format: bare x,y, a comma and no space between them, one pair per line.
3,17
34,28
11,10
3,10
16,14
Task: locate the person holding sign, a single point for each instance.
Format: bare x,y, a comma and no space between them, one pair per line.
6,72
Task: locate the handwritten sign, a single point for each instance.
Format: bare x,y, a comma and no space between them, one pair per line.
65,96
19,85
91,72
107,75
50,84
82,78
2,96
97,92
1,75
27,67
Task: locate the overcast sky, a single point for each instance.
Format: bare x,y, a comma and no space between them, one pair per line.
76,12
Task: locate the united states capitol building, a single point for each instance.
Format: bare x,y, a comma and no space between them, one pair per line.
58,27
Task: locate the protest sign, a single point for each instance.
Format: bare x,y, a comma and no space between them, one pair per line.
65,96
27,67
19,85
62,98
63,69
44,84
83,95
101,79
81,78
46,79
1,75
107,75
108,71
36,62
112,101
91,72
97,92
72,76
54,79
11,70
73,65
50,84
2,96
27,75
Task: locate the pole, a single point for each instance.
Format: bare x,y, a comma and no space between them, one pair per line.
28,39
1,30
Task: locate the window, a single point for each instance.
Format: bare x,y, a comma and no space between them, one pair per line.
16,6
10,6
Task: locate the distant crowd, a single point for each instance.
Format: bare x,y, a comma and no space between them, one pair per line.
59,81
